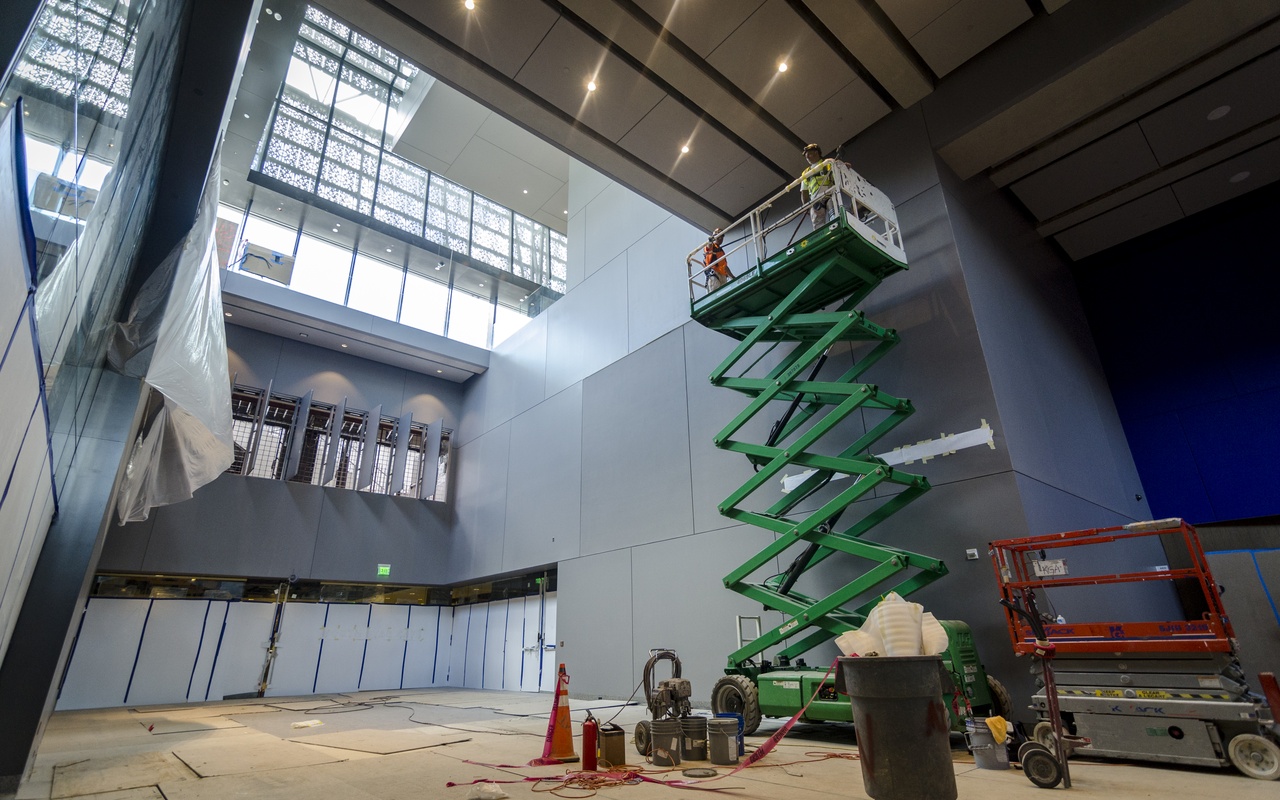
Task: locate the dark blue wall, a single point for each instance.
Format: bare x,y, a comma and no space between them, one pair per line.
1187,322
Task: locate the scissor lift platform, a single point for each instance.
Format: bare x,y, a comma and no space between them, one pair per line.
737,308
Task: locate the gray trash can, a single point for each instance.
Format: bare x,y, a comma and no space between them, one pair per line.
904,742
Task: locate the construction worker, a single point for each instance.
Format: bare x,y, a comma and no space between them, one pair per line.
816,183
717,266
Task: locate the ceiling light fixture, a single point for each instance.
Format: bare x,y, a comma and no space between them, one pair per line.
304,335
335,230
343,345
266,11
246,116
684,149
470,4
226,313
388,249
591,86
1240,177
782,66
226,182
277,16
526,191
482,283
439,371
1218,113
440,265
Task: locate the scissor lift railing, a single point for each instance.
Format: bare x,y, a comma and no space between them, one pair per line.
806,294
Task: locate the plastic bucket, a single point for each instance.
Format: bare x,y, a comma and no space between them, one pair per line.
693,738
986,753
739,738
902,724
722,740
665,746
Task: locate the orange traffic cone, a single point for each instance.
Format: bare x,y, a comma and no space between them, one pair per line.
558,746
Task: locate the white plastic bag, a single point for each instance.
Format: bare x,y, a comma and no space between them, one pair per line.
898,623
486,791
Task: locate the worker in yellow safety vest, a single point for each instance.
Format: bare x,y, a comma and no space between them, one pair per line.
816,184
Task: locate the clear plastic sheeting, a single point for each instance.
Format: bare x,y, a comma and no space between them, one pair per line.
185,441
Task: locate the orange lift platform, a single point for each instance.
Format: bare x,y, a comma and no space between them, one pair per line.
1168,690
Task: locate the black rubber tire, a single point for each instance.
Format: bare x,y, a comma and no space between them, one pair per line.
737,694
644,737
1001,702
1028,746
1043,733
1042,769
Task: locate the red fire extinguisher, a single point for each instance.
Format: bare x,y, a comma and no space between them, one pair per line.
590,734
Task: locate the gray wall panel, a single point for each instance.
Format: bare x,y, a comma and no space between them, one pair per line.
357,531
679,601
253,356
616,219
471,419
587,328
544,483
238,526
517,373
635,450
894,154
1253,613
480,505
1063,428
594,621
334,376
430,399
657,281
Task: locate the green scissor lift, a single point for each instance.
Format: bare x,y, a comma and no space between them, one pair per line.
807,296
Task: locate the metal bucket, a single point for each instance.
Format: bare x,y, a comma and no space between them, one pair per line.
665,747
986,753
693,738
722,740
902,724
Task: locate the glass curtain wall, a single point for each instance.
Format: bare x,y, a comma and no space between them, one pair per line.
340,108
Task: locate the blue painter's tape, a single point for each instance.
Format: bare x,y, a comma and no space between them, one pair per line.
1265,589
217,651
320,655
25,227
138,654
365,652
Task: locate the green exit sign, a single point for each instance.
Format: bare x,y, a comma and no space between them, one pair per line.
384,570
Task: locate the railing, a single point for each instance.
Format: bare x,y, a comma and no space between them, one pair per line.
753,240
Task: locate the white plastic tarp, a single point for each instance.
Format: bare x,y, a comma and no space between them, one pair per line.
188,443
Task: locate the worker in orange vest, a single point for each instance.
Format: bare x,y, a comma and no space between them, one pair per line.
713,258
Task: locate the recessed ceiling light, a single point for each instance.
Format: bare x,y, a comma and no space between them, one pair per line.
335,230
337,224
226,313
343,345
277,16
226,182
566,211
1218,113
303,335
591,86
279,208
684,149
526,191
266,11
3,104
441,264
470,4
439,371
388,249
1240,176
246,116
482,283
782,66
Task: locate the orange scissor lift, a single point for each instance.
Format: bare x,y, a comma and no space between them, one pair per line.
1167,690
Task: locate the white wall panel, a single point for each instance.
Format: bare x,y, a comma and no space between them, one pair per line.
240,652
24,521
420,652
297,650
346,629
457,656
110,632
531,663
513,658
167,658
495,645
384,654
477,638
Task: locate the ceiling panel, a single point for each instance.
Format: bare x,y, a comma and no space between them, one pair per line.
567,59
911,16
502,35
966,29
249,116
502,177
237,155
1197,121
516,140
702,25
1121,224
750,179
443,124
875,44
1089,172
848,112
658,137
750,57
1231,178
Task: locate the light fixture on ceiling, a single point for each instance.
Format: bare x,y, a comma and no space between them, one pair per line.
226,182
3,104
277,16
303,336
440,265
337,224
1240,177
388,249
482,283
266,11
782,66
226,313
526,191
470,4
566,211
591,86
343,345
246,116
684,148
1218,113
439,371
335,230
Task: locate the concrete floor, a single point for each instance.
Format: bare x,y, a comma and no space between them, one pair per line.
397,745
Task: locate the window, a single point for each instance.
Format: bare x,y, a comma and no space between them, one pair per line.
375,287
321,269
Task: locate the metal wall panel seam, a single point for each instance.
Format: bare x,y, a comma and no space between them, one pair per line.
436,660
364,652
217,651
137,653
320,655
404,656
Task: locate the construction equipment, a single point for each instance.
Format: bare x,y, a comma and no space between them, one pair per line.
805,293
1163,690
668,700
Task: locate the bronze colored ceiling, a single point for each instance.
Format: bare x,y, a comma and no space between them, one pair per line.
1098,115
